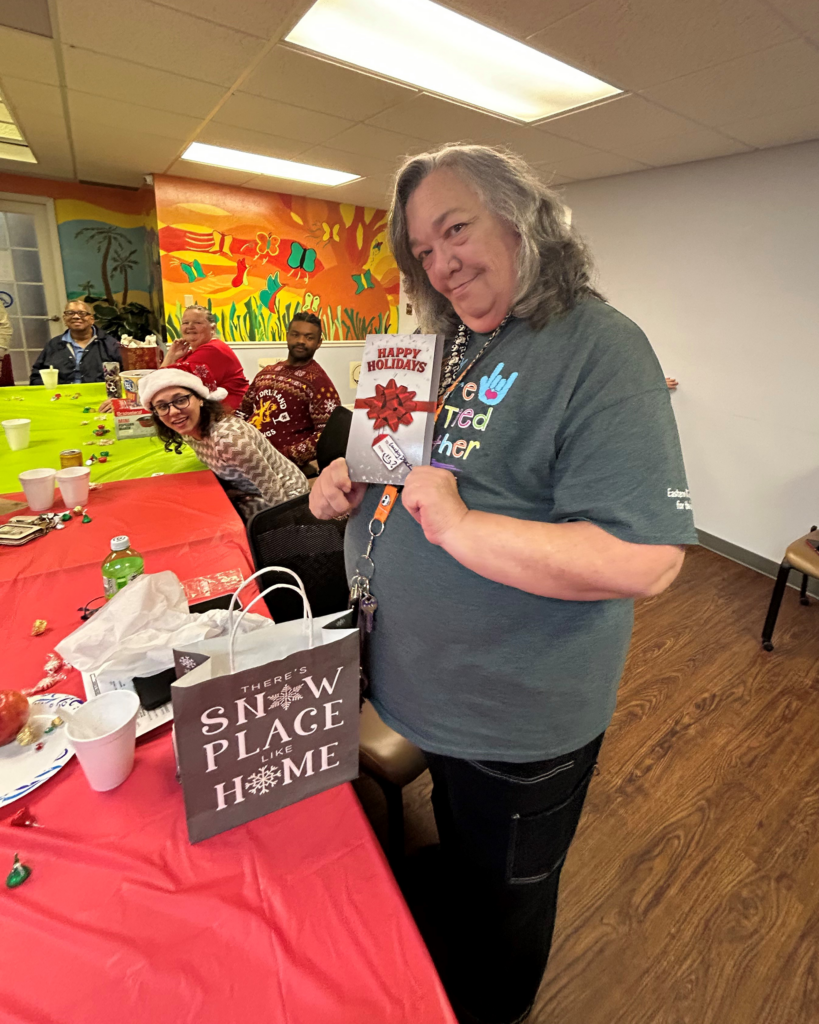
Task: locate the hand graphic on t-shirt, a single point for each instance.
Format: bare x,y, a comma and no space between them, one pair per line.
493,388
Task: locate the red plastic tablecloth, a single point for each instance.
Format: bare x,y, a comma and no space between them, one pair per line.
292,919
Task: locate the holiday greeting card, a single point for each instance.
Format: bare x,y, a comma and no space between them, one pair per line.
394,415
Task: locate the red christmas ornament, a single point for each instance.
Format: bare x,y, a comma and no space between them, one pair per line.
25,819
392,405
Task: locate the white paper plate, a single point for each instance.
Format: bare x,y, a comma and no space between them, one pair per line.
23,769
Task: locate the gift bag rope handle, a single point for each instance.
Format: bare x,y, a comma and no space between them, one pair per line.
307,620
259,572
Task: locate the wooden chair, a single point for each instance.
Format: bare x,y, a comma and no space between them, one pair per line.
289,535
802,557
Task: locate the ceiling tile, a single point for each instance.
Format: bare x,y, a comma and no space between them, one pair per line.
516,18
780,129
264,18
802,14
23,97
28,15
371,141
306,81
441,121
283,119
637,43
26,56
764,83
266,183
117,79
203,172
248,141
375,191
108,113
159,37
352,163
121,149
589,163
619,124
703,144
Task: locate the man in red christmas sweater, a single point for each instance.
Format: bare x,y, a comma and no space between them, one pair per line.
291,401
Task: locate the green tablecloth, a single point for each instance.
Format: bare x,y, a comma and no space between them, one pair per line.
56,425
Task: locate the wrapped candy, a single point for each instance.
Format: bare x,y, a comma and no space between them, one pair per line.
18,874
26,736
24,819
39,627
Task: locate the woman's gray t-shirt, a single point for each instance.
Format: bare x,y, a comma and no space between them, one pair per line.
572,422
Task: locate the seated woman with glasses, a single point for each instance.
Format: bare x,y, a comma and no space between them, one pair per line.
80,352
187,408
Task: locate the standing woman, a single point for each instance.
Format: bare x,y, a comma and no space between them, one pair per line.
506,581
187,407
199,347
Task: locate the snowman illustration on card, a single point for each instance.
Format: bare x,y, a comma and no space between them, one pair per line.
394,413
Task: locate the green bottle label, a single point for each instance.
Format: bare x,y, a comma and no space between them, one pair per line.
119,573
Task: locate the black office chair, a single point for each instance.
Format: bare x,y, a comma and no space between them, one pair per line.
332,442
289,535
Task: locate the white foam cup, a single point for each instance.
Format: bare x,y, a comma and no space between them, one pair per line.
51,377
103,735
38,485
17,433
73,482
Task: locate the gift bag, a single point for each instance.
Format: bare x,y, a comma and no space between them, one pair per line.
262,721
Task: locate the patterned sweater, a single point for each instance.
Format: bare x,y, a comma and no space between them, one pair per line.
291,405
260,476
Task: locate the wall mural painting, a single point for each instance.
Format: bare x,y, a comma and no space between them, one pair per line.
257,258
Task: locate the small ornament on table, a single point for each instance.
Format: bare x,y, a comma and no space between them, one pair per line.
24,819
66,517
87,408
18,874
55,397
102,431
77,395
39,627
77,510
87,519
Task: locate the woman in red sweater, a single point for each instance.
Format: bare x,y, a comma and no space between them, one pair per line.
198,347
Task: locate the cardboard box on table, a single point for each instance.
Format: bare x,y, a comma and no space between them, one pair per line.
132,420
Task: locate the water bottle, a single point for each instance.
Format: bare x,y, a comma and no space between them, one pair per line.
121,566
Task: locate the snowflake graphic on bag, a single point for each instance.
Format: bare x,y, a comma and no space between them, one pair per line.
187,663
262,780
285,697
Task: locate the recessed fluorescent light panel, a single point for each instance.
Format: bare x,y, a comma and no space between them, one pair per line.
12,144
218,156
429,46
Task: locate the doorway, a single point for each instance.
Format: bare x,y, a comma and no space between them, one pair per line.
32,288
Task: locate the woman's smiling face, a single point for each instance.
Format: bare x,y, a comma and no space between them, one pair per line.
469,255
183,421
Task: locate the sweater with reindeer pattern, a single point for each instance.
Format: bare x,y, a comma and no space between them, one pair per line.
290,405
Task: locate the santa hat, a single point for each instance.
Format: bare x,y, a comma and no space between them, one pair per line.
197,379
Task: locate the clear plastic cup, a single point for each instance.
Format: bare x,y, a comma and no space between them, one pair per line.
73,482
51,377
102,734
17,433
38,485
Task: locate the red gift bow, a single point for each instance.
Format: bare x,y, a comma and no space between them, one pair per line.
392,404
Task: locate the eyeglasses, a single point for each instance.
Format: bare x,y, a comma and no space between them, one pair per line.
180,402
71,314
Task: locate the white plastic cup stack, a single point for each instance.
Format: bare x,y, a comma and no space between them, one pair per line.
102,734
38,485
17,433
73,482
51,377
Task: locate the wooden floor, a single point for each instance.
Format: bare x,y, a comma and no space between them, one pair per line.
691,893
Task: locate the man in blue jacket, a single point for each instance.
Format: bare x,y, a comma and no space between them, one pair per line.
80,352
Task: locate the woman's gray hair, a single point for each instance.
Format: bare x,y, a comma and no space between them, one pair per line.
212,318
554,267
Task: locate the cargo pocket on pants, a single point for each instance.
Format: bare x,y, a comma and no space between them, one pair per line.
539,842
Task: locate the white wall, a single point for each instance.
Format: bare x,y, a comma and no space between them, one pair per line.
335,357
718,262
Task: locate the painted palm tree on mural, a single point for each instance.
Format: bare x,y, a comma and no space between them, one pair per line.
104,237
121,263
